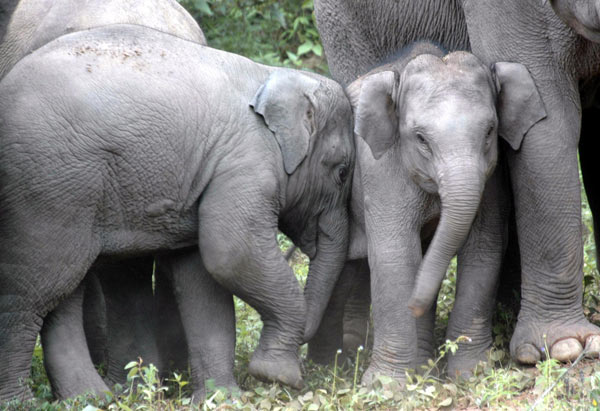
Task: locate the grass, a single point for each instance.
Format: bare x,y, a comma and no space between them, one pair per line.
497,383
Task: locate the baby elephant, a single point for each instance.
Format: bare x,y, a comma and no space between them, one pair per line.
426,129
124,141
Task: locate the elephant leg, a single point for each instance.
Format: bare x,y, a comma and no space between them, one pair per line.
208,318
357,312
66,355
551,320
171,341
40,264
509,288
342,38
130,316
425,337
330,336
247,261
94,320
546,187
478,266
589,146
425,323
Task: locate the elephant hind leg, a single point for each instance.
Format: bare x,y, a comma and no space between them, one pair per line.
207,317
66,354
357,312
130,314
18,333
337,321
171,341
40,264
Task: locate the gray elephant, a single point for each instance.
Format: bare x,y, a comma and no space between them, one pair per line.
128,318
426,127
585,20
543,169
29,24
142,142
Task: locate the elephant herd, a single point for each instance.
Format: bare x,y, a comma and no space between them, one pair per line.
128,147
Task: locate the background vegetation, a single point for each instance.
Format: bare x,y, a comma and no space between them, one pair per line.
283,33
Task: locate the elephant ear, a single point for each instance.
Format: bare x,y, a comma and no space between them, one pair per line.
284,102
519,105
375,119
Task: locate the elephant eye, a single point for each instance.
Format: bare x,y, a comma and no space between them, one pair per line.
423,143
342,174
488,138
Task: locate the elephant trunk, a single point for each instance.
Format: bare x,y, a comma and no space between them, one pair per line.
325,268
460,191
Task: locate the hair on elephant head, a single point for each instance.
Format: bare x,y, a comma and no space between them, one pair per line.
440,116
318,155
581,15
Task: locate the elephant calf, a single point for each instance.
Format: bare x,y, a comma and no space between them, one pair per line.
426,129
124,141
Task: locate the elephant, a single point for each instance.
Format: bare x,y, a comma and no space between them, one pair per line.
124,328
126,142
33,23
426,128
584,19
542,170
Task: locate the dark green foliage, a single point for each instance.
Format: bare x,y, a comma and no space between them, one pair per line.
268,31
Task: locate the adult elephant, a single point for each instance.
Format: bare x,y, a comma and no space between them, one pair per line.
120,310
33,23
543,169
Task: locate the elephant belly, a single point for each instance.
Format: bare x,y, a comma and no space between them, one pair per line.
146,217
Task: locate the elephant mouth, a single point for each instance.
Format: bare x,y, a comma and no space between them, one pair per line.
308,240
425,182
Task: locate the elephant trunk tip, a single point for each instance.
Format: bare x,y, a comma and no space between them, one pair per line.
309,332
417,307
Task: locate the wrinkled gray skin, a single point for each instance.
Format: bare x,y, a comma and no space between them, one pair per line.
543,171
426,131
34,23
144,143
127,330
584,18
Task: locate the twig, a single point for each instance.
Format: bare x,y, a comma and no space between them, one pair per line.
541,397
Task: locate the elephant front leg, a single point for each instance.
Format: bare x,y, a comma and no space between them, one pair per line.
548,210
238,245
208,319
479,261
545,180
394,261
589,147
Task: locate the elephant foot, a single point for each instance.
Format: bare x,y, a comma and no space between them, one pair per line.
564,342
462,366
424,354
373,372
199,395
352,341
282,367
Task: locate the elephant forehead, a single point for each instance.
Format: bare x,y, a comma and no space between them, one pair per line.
430,89
452,113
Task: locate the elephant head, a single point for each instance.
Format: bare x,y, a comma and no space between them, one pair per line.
311,119
443,115
581,15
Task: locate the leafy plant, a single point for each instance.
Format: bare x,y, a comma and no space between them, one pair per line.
268,31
